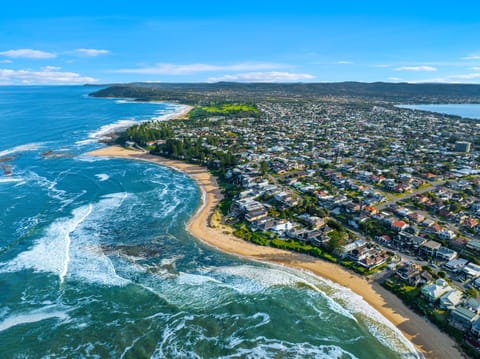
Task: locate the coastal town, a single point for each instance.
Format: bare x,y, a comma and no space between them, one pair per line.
389,193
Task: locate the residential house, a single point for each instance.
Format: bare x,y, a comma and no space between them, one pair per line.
451,299
475,330
446,254
471,270
408,270
430,248
416,217
282,227
435,290
474,245
462,318
420,279
398,225
446,234
456,265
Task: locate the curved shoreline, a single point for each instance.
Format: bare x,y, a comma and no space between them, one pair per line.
425,336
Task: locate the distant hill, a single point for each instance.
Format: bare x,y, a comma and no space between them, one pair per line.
203,93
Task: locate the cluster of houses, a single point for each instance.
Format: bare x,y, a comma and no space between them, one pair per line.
464,311
397,179
304,227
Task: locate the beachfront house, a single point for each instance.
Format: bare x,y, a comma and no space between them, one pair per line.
475,330
451,299
435,290
462,318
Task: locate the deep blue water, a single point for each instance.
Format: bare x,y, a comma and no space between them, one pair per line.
95,261
463,110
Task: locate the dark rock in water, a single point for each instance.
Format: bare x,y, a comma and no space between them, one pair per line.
7,158
132,250
7,170
110,139
52,154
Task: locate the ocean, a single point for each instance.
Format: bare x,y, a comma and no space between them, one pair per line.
463,110
95,261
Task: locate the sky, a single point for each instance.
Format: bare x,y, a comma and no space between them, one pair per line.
104,41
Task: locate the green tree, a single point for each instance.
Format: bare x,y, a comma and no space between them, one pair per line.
264,167
336,241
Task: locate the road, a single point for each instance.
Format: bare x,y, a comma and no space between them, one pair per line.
412,194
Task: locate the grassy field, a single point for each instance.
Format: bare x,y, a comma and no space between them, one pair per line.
227,110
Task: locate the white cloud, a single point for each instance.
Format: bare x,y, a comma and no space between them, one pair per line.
476,68
5,61
28,54
459,78
394,79
416,68
50,68
344,62
175,69
263,77
471,57
91,52
467,76
47,75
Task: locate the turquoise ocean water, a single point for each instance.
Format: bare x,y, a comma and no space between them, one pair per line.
95,261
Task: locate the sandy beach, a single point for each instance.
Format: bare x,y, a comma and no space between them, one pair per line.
426,337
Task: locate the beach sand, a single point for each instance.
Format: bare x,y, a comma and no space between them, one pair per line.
426,337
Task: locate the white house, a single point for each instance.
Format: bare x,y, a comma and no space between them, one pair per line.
446,254
282,228
456,265
446,234
451,299
471,270
435,290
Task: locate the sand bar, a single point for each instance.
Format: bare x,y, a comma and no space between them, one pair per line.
426,337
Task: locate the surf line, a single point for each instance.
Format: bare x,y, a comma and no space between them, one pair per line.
68,242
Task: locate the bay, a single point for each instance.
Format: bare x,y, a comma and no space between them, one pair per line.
463,110
95,261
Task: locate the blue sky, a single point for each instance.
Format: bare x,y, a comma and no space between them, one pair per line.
103,41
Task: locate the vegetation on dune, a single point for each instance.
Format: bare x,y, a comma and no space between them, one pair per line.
145,132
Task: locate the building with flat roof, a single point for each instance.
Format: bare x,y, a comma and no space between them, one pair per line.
430,248
462,146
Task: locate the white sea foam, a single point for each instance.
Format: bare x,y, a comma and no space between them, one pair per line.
22,148
270,348
70,246
102,177
382,329
103,132
269,277
50,253
110,128
195,279
179,110
11,180
88,158
44,182
32,317
339,299
79,219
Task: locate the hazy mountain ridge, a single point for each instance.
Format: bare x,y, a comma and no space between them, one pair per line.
198,93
